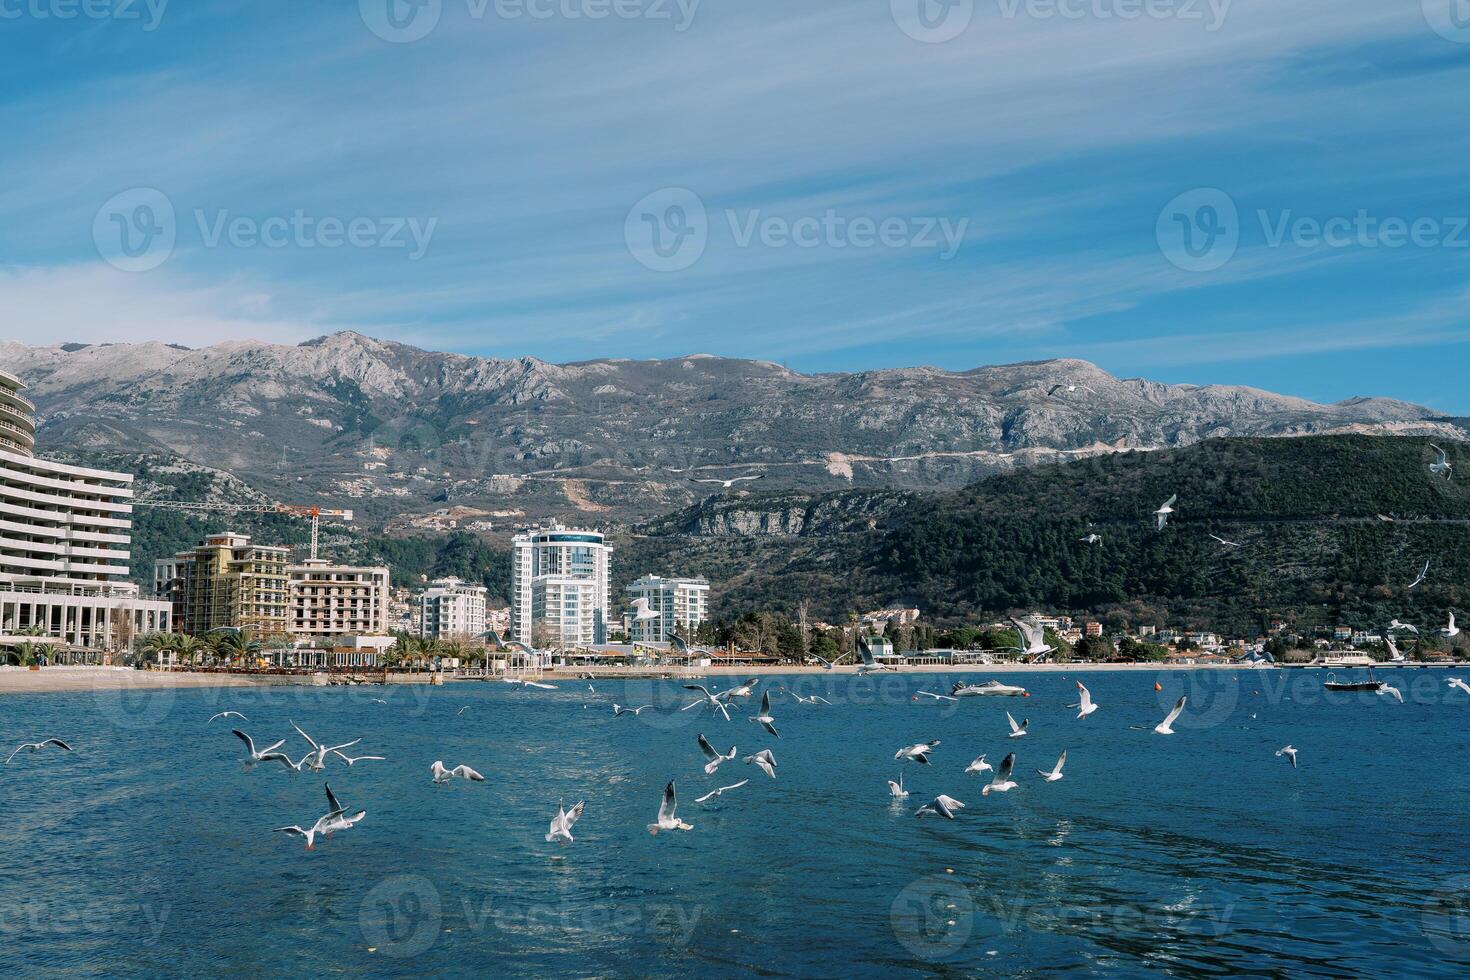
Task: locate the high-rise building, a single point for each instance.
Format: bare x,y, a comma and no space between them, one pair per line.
680,603
227,583
337,600
65,535
560,587
452,609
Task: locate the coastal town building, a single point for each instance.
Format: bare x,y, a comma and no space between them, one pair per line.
682,605
65,539
560,587
328,600
452,609
227,582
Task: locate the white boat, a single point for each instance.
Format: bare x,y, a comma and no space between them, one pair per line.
993,688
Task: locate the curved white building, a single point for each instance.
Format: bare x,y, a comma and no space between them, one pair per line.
65,532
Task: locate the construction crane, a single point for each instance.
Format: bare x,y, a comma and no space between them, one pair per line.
295,510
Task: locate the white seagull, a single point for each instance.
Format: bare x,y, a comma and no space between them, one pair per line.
319,752
765,719
741,690
38,746
937,697
334,819
354,760
1228,544
763,759
1392,692
896,790
714,757
727,484
1166,727
269,752
642,613
666,818
1161,516
1033,636
1455,682
1056,771
618,709
1093,538
1408,627
869,664
1086,705
1069,388
941,806
1423,573
1394,656
227,714
561,824
1002,782
1289,752
919,752
442,775
1451,631
1017,731
722,789
1441,466
716,702
814,699
979,765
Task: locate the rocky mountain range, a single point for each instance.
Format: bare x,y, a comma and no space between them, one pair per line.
399,433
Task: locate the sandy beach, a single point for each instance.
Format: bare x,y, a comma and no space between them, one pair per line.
55,679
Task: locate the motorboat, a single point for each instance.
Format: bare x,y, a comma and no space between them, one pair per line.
989,688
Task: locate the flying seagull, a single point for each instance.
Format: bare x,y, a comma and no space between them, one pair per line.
1070,388
869,664
352,761
1423,573
763,759
1161,516
642,613
1056,771
1086,706
1451,631
1385,518
1017,731
1392,692
896,790
714,757
919,752
319,752
38,746
722,789
227,714
1034,638
727,484
1228,544
620,710
979,765
336,818
716,702
1441,466
442,775
814,699
269,752
1166,727
937,697
1455,682
741,690
764,718
941,806
561,824
1093,538
1393,651
666,819
1289,752
1395,625
1002,782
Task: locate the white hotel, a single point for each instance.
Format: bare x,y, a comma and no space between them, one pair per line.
559,580
679,602
452,609
65,533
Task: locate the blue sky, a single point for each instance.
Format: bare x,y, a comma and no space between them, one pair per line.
1021,171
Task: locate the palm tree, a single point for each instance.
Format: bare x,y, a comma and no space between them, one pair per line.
189,647
237,645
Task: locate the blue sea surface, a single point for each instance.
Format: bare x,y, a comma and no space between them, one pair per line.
150,852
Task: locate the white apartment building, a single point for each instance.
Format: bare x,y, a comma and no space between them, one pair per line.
452,609
324,599
65,534
681,603
560,579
